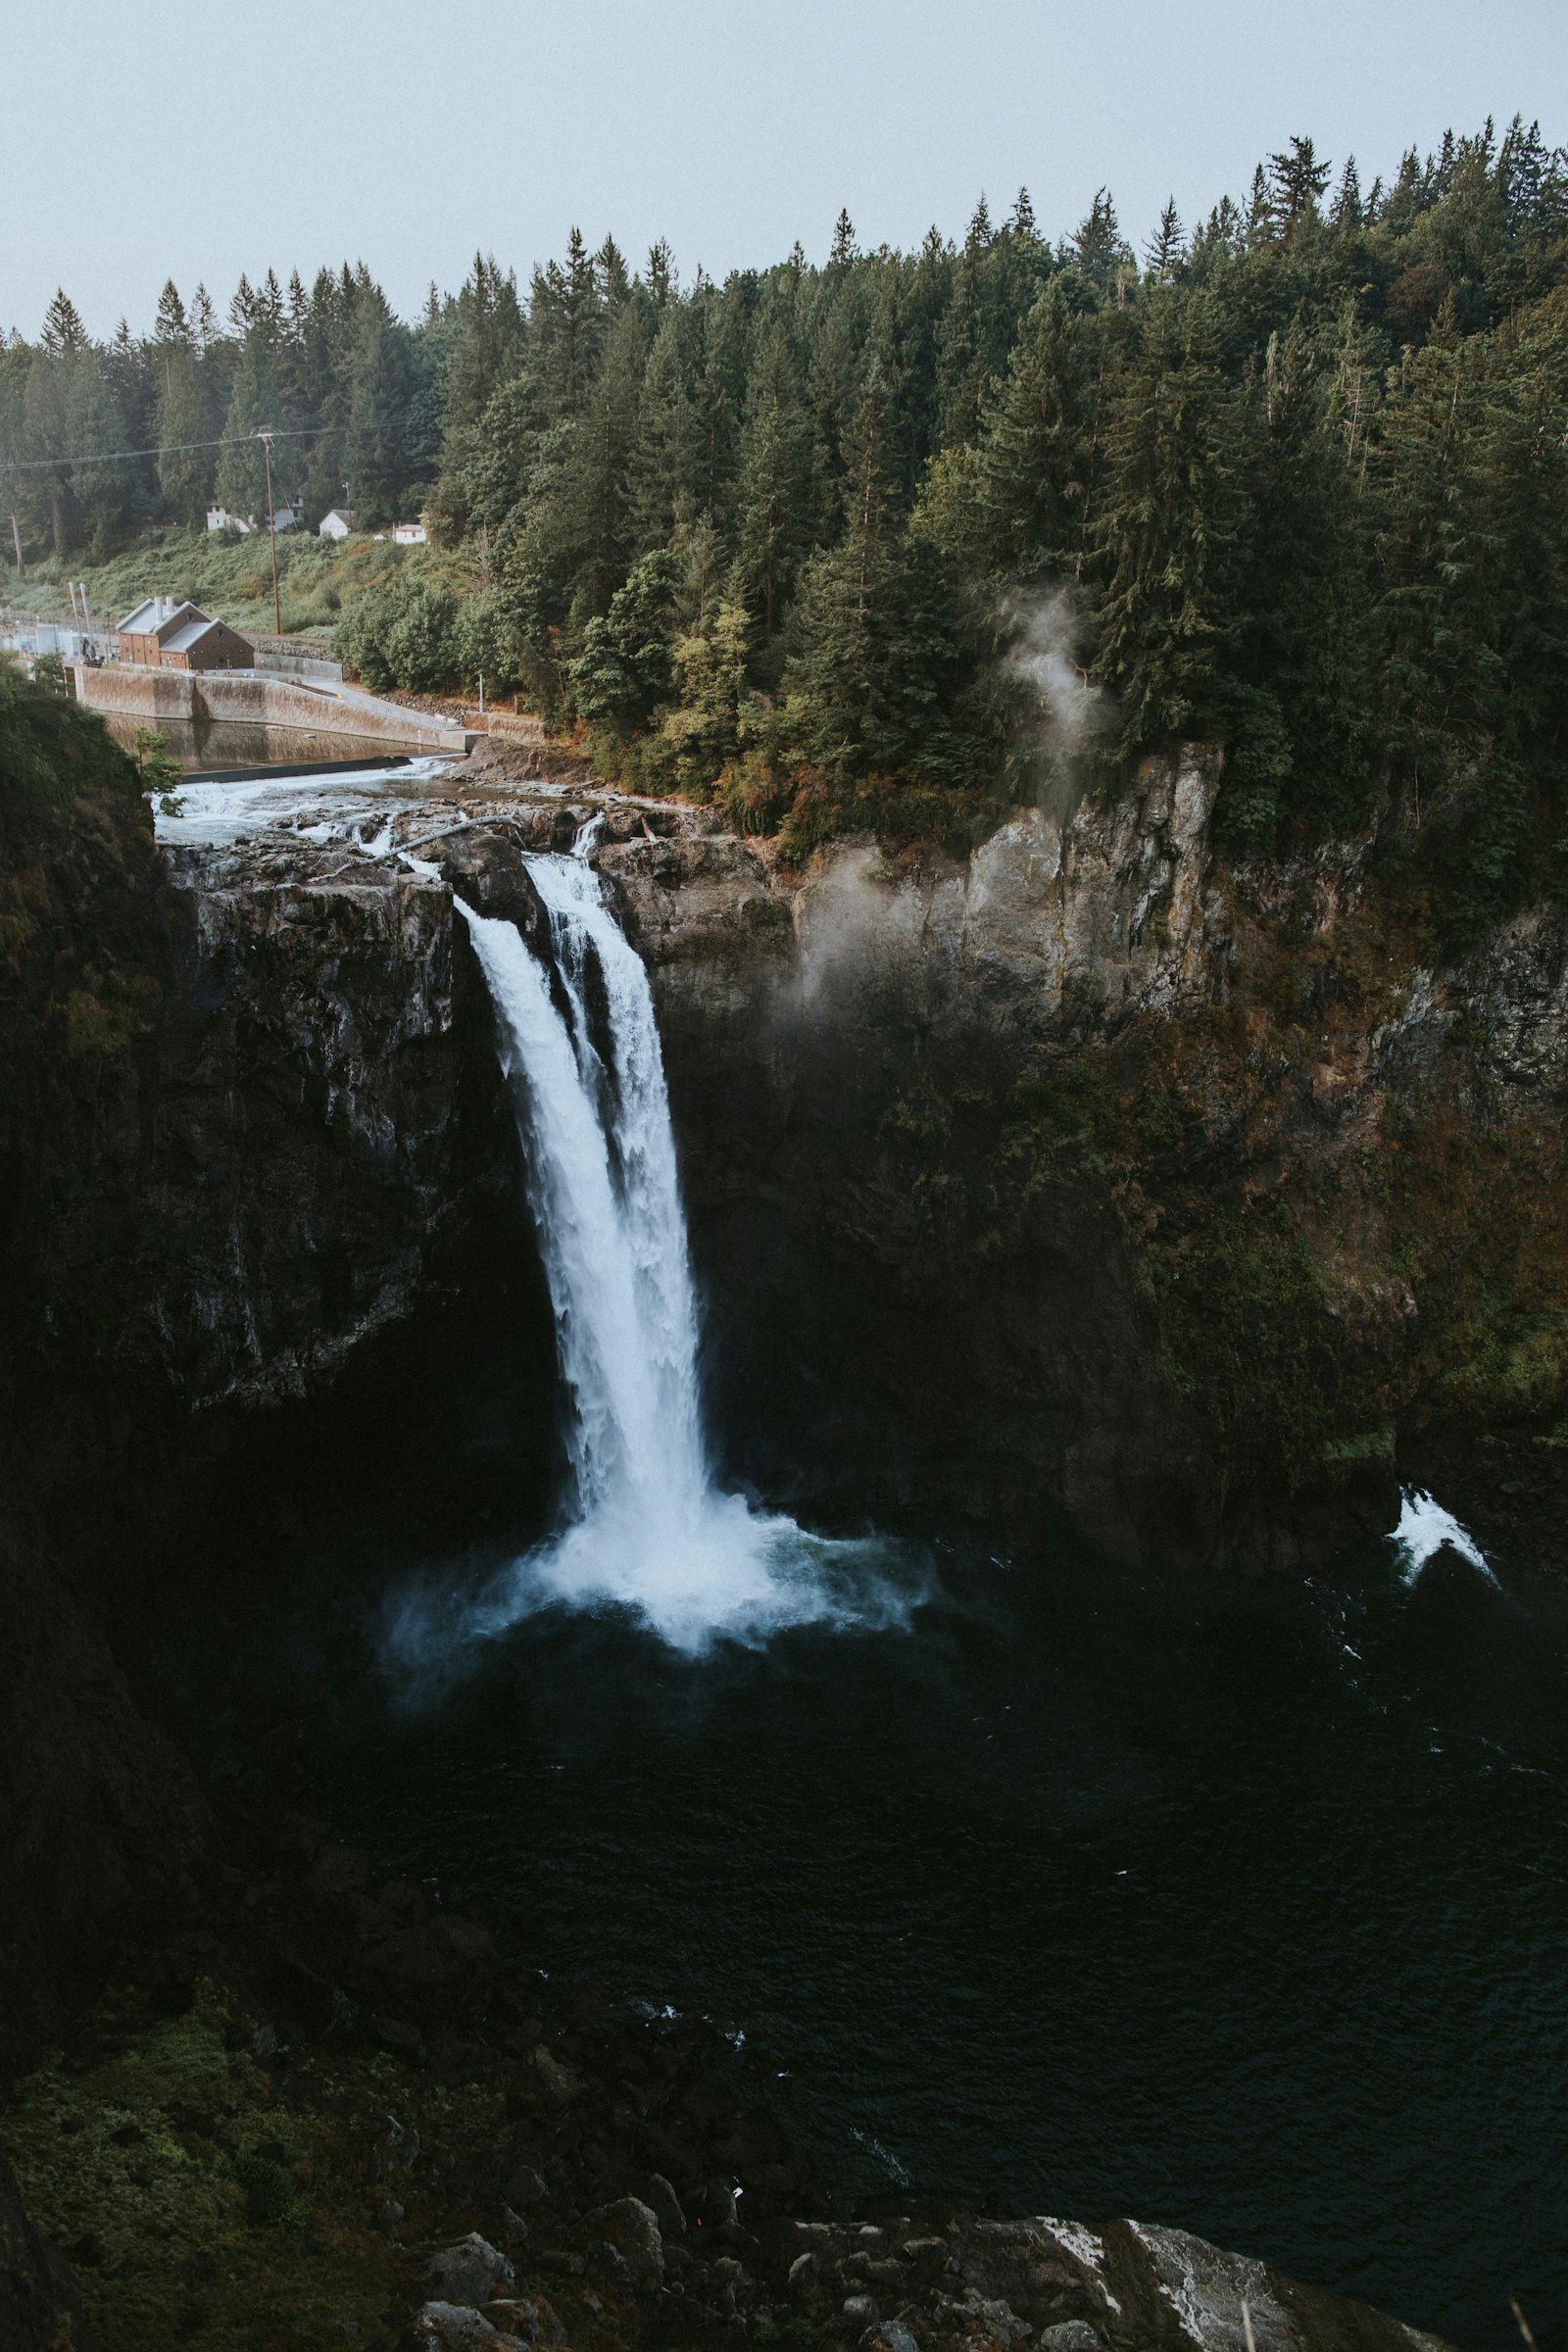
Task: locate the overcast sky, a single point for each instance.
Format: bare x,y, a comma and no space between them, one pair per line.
409,133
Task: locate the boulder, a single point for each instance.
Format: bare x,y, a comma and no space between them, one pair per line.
526,2320
468,2271
459,2328
632,2229
665,2206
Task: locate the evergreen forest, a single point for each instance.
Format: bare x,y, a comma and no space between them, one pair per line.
881,541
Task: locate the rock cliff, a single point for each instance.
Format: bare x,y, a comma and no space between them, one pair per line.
1091,1178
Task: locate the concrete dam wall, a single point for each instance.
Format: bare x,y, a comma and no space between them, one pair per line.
207,698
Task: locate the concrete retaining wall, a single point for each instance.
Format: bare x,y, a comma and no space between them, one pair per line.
247,697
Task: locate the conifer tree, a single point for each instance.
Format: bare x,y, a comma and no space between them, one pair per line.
1097,247
241,482
170,324
663,462
376,448
773,489
63,336
1164,248
184,470
1162,525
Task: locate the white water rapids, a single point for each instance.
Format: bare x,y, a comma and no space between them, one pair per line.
646,1531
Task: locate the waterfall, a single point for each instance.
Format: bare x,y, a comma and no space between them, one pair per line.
645,1529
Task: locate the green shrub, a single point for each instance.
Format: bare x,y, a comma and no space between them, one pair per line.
401,633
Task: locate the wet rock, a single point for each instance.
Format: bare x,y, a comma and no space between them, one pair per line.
860,2310
632,2227
665,2206
468,2271
891,2336
1071,2335
525,2188
606,2258
984,2315
1042,2265
526,2319
459,2328
559,2081
1204,2289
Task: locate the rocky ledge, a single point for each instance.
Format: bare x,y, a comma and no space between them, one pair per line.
1089,1175
319,2106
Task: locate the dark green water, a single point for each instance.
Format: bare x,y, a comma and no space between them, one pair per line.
1241,1907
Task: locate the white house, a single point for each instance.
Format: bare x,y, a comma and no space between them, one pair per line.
290,517
408,534
219,518
335,525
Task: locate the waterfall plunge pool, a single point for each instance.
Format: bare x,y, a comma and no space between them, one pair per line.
1044,1886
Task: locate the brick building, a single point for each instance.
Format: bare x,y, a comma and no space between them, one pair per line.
161,634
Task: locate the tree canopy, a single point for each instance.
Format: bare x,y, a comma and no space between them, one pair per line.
1295,482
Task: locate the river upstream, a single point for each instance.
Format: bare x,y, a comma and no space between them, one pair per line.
1041,1883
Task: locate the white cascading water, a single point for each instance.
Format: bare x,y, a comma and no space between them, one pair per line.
648,1532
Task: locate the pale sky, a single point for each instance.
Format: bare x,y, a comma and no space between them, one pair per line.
143,145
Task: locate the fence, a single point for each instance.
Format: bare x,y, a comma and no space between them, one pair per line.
25,633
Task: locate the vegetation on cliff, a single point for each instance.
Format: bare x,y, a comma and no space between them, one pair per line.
1340,1240
76,881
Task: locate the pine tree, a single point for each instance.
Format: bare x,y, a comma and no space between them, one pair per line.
1014,502
661,272
1440,520
1097,247
241,482
375,446
593,521
63,336
1296,181
1163,251
1162,525
663,464
1348,210
184,471
243,309
172,324
844,250
612,275
773,489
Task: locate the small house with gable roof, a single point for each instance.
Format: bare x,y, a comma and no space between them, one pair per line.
163,634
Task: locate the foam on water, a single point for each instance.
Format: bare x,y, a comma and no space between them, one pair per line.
1425,1529
216,813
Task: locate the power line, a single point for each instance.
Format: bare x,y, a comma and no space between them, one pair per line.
168,449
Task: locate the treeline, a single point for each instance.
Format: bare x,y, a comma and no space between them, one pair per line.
1296,482
354,396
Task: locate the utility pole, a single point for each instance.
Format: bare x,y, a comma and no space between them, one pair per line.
266,440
